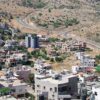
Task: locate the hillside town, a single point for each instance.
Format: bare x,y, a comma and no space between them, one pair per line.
27,71
40,60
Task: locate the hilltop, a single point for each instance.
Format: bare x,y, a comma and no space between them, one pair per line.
52,14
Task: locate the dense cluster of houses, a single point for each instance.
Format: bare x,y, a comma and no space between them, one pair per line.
48,84
14,80
65,85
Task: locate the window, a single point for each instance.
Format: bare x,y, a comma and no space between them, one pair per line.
44,87
55,89
38,85
53,95
50,89
20,90
96,93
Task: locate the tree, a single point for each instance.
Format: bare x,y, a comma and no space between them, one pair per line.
59,59
5,90
52,59
29,55
98,68
98,57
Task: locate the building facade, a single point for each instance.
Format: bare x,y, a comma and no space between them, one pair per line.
87,61
32,41
56,86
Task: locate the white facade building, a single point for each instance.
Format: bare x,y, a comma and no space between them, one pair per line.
53,86
87,61
75,69
79,55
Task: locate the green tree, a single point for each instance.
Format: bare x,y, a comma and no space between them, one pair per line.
29,55
98,68
59,59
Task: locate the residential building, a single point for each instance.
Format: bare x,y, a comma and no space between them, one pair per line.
53,86
75,69
79,55
10,44
11,81
20,56
32,41
16,58
87,61
78,45
23,72
40,64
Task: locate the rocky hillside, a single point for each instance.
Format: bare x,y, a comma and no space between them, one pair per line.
87,12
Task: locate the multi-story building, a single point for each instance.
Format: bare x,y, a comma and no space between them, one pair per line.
16,58
52,86
32,41
87,61
79,45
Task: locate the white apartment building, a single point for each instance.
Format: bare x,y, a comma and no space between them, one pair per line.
79,55
87,61
53,86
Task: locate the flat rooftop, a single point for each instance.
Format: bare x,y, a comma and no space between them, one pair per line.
62,80
13,81
10,98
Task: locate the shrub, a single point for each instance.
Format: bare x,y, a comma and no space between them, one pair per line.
59,59
39,4
70,22
56,24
